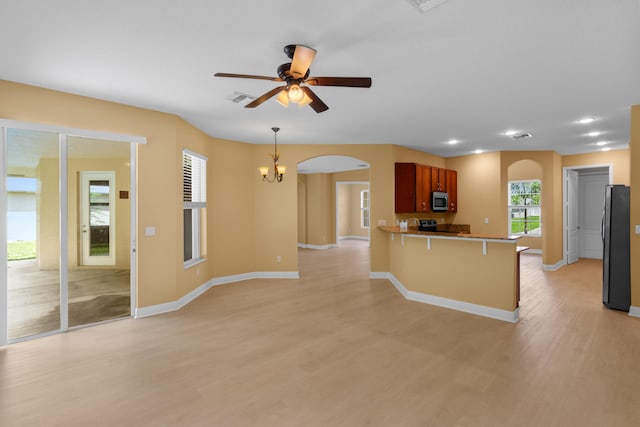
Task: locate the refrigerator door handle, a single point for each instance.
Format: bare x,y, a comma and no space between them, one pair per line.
602,226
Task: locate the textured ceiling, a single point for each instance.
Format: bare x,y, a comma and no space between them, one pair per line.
463,70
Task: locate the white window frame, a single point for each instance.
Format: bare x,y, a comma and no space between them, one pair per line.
529,206
365,209
195,201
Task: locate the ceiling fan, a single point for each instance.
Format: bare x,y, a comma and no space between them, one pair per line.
295,75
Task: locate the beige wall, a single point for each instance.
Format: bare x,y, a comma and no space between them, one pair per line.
479,194
634,181
457,269
617,159
349,222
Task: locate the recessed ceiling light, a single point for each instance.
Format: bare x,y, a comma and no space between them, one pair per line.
606,149
477,151
601,143
587,120
452,141
594,133
511,132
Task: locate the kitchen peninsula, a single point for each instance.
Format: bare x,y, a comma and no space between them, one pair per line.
468,272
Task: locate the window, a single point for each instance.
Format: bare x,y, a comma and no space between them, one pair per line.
194,186
524,208
364,209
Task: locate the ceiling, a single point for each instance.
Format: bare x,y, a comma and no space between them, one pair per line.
464,70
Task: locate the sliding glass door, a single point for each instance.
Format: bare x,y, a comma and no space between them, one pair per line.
33,232
66,205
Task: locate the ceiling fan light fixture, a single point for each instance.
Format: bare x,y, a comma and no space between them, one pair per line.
306,100
283,99
295,93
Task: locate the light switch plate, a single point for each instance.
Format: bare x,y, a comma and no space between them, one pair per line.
149,231
382,222
637,229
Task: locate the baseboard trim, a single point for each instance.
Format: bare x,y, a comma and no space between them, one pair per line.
534,251
634,311
553,267
379,275
479,310
305,246
353,237
168,307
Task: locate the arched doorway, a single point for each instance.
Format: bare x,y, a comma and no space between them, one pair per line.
333,202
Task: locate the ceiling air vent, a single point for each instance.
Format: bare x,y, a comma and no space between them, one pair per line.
238,96
424,5
522,136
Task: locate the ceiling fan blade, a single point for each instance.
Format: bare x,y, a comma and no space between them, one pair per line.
340,81
316,103
248,76
302,59
260,100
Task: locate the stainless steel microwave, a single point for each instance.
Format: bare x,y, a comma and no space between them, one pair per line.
439,201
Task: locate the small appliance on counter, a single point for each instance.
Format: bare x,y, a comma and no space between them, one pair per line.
427,225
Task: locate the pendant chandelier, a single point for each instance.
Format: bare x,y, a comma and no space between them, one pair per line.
278,170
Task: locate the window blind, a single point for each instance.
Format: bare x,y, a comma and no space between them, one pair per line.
194,172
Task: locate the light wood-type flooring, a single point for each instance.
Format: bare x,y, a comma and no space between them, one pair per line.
335,348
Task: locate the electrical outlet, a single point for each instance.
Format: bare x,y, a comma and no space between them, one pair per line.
486,220
278,258
637,229
382,222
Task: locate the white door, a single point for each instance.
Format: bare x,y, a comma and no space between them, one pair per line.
572,216
591,204
97,216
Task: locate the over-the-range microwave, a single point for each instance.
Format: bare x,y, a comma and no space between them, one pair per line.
439,201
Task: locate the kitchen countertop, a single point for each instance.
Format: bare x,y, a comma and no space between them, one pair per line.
414,231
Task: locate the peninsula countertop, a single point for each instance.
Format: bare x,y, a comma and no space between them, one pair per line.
414,231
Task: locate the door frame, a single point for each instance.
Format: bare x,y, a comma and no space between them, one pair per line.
63,133
565,182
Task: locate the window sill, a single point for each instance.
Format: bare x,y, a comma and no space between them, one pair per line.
193,262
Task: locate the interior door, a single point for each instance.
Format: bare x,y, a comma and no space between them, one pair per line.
591,198
97,213
572,216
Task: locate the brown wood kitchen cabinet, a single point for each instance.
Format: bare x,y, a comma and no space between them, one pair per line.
414,184
452,189
438,179
412,188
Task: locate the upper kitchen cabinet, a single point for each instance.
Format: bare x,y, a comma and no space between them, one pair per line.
452,189
412,188
414,184
438,179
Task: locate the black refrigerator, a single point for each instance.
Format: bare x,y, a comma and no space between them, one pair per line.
616,280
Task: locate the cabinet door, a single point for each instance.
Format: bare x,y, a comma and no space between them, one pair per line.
438,179
452,189
405,187
423,188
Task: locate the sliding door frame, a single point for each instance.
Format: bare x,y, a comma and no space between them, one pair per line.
63,134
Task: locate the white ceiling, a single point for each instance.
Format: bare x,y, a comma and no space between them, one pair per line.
466,69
